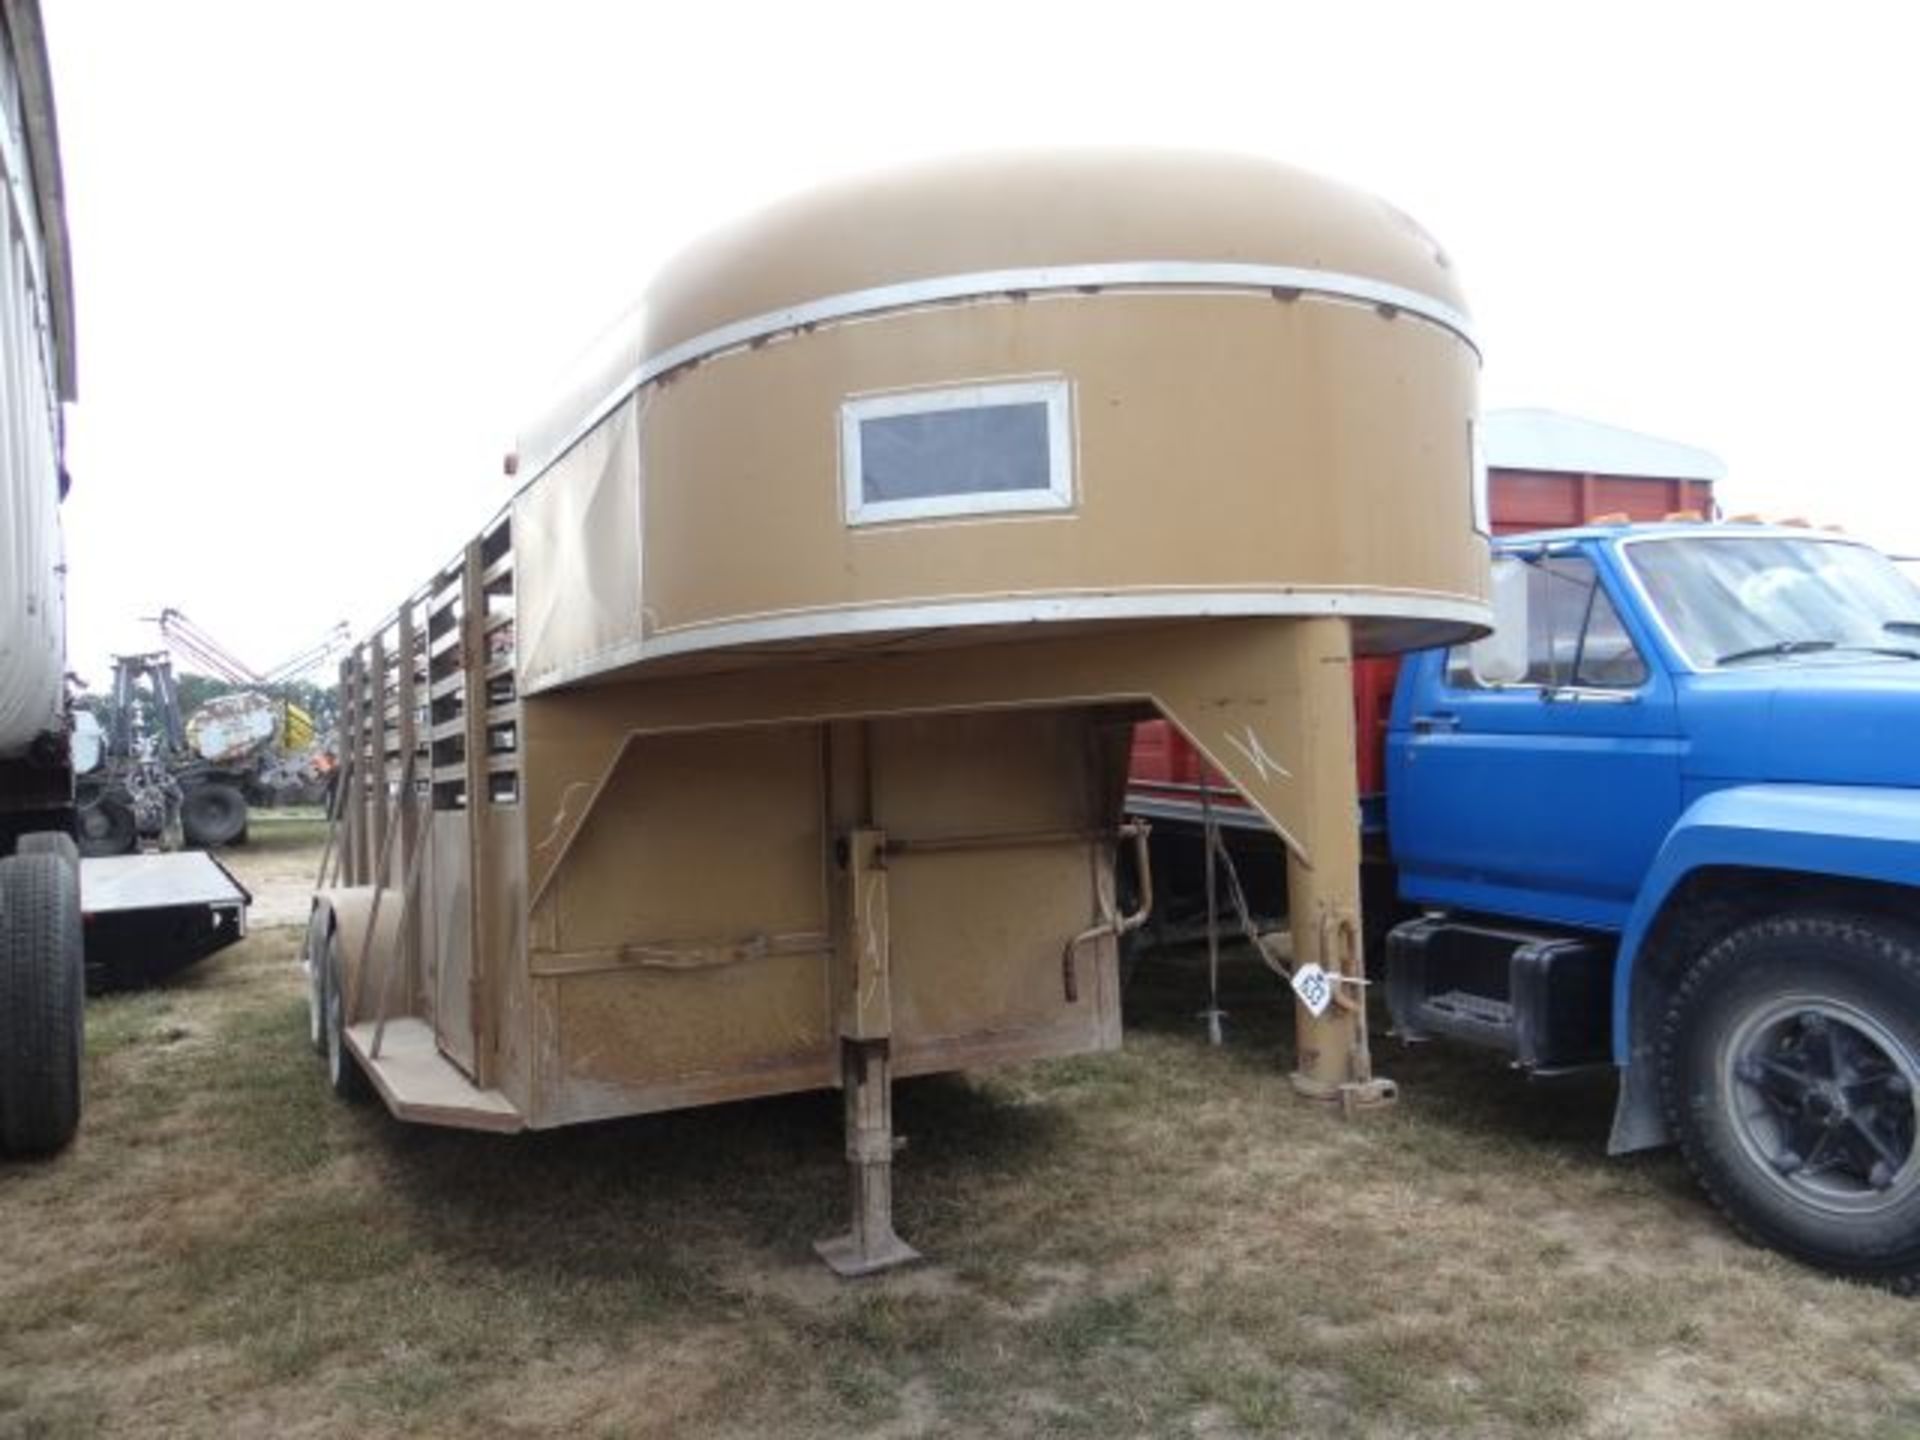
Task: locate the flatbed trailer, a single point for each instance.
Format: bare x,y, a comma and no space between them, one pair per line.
148,916
775,737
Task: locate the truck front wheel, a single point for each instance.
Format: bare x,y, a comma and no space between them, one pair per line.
1790,1071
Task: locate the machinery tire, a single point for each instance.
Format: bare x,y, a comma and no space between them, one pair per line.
212,814
314,956
42,1003
1790,1072
50,842
107,827
344,1076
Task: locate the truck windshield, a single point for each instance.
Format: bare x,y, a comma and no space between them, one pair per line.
1731,600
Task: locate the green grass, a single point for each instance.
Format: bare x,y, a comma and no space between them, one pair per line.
1160,1241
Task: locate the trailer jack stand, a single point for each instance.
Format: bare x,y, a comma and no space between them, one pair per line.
871,1245
1336,1063
1351,1096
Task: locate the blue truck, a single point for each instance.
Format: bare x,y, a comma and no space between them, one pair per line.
1667,818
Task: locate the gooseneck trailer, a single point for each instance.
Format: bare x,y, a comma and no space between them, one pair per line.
775,736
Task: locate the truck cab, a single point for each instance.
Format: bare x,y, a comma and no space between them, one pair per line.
1667,817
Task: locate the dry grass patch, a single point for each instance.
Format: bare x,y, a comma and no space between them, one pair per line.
278,863
1158,1242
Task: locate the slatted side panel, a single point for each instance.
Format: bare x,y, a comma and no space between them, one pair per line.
445,611
446,895
430,717
493,780
500,733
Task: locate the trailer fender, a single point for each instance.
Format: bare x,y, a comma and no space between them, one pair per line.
350,911
1854,833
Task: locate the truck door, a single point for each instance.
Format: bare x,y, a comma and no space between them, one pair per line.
1545,797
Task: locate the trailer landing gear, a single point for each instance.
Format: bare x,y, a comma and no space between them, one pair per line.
1334,1062
871,1245
866,1043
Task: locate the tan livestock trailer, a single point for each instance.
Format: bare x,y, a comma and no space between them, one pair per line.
775,736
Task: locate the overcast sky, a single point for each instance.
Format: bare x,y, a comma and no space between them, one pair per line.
329,257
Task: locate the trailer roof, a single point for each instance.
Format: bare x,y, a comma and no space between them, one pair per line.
1536,439
1017,224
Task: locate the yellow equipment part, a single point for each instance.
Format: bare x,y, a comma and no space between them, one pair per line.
297,728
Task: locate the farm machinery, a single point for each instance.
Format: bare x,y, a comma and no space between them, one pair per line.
160,772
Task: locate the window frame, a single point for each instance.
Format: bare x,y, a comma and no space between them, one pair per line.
1056,394
1573,687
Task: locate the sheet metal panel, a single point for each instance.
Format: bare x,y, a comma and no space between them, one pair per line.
32,593
451,936
1233,451
582,520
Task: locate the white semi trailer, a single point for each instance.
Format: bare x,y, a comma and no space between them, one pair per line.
42,966
141,915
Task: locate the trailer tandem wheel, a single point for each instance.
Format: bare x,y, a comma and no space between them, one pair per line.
344,1076
42,1002
314,956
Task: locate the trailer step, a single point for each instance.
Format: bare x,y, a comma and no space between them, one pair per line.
1543,997
1478,1009
417,1082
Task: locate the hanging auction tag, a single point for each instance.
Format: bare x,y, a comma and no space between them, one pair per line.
1313,987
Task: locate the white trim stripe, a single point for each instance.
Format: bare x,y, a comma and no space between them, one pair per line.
995,284
829,625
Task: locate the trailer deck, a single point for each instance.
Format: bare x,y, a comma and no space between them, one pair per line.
150,916
417,1082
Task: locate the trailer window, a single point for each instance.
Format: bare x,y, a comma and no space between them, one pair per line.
1574,635
971,450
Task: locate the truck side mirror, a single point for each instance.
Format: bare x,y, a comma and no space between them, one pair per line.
1501,658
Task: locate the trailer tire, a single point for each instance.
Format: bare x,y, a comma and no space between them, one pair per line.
42,1003
212,814
319,931
1790,1072
107,827
344,1076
